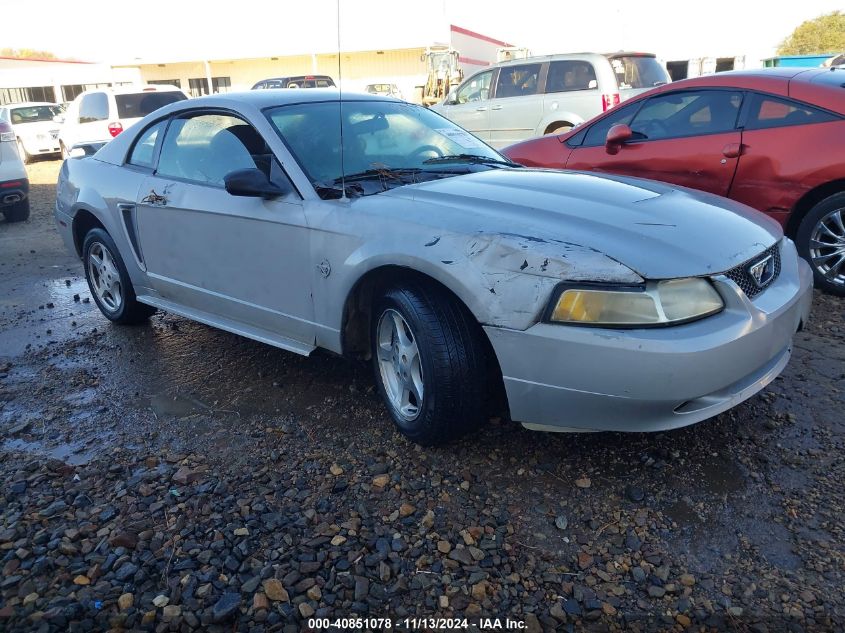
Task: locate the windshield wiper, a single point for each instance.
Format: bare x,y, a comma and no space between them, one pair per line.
470,158
380,172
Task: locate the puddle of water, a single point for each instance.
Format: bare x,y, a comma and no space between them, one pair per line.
175,406
74,454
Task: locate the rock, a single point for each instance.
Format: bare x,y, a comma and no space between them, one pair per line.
532,623
583,482
338,540
380,481
584,560
171,612
444,547
125,601
82,580
275,590
335,470
479,590
161,601
656,592
735,612
314,593
561,522
428,520
251,585
126,571
406,509
608,609
572,607
30,598
260,601
635,494
124,539
362,588
687,580
185,476
242,531
443,602
305,610
461,555
683,620
228,604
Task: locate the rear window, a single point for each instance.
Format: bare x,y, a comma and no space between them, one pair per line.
767,111
638,71
140,104
33,114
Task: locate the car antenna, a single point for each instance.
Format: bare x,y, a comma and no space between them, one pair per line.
340,108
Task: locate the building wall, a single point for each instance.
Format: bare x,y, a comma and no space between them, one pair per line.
57,81
402,67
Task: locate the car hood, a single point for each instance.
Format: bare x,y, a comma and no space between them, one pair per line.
657,230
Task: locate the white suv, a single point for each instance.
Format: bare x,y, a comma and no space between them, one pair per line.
100,115
14,185
35,126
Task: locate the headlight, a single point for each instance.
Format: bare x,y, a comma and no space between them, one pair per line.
657,303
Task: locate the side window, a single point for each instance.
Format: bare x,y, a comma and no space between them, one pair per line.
94,107
142,152
568,75
687,114
206,147
766,112
518,81
476,89
597,134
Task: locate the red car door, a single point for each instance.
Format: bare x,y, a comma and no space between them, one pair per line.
688,138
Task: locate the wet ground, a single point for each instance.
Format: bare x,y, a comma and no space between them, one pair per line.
733,524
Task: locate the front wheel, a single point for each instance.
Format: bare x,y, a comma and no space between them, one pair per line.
430,363
821,241
109,281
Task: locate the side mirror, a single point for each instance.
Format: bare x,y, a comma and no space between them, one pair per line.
252,183
452,98
617,136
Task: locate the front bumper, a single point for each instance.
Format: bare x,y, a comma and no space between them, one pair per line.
569,378
64,225
41,144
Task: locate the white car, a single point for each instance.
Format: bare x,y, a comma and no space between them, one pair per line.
36,126
101,114
14,185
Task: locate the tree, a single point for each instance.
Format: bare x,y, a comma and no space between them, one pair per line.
824,34
26,53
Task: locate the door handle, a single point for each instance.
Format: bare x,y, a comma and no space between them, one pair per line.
732,150
496,107
481,109
154,199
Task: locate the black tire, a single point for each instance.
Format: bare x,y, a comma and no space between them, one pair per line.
826,279
25,156
18,212
562,128
129,311
453,360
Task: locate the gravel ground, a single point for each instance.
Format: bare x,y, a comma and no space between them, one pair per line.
172,477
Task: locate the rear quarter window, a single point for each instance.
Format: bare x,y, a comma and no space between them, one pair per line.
638,71
140,104
768,112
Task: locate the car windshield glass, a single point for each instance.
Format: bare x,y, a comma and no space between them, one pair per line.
638,71
33,114
390,143
138,104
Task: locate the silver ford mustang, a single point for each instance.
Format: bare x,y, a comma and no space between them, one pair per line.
597,302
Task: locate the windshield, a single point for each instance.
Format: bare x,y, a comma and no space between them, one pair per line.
138,104
33,114
638,71
379,137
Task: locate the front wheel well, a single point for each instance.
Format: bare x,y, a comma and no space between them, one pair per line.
555,125
83,222
808,201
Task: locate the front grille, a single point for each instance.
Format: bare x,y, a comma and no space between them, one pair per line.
742,277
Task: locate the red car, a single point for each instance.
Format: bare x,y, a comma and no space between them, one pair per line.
773,139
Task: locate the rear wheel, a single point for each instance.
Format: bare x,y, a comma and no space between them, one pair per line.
821,241
109,281
25,156
18,212
430,363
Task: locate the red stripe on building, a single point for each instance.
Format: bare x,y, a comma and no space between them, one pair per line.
478,36
474,62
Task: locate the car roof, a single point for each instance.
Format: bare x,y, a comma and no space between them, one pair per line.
571,56
29,104
289,77
128,90
278,96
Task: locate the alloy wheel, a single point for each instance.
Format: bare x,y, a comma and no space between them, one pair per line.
827,247
399,365
104,276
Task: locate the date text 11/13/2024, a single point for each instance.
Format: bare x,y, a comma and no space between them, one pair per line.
412,624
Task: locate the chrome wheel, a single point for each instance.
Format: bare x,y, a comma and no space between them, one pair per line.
399,364
827,247
105,278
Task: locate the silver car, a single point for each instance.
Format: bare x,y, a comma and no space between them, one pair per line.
517,100
596,302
